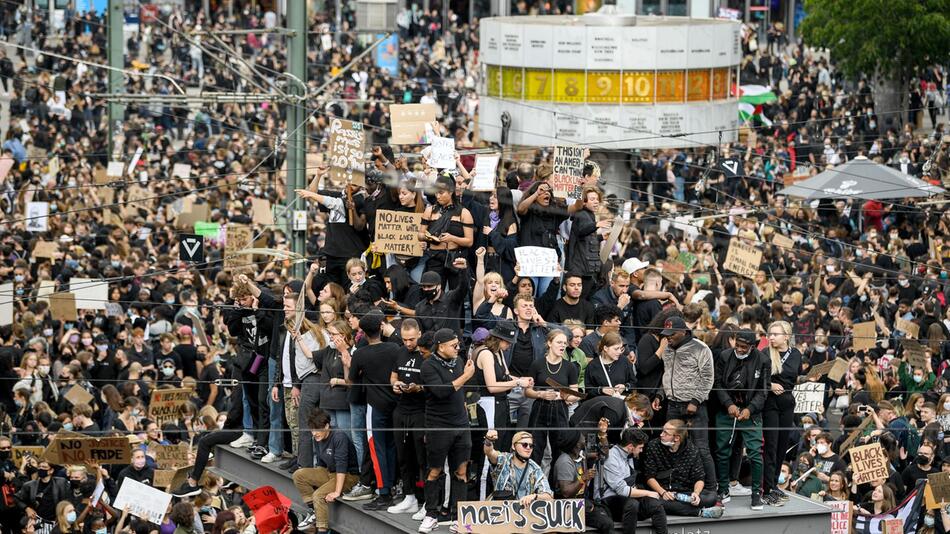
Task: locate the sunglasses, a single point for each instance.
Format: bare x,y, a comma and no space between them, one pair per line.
527,445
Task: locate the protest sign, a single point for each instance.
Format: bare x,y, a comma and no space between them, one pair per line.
511,517
207,229
742,258
914,354
537,261
940,485
809,397
568,176
782,242
192,213
442,155
37,216
20,452
162,478
671,270
409,122
170,456
77,395
820,370
7,296
115,169
892,525
347,156
263,214
166,405
144,502
944,421
855,434
270,509
397,232
838,371
840,516
47,288
70,449
483,175
90,294
868,463
687,260
608,245
909,328
45,249
62,307
238,238
864,335
181,170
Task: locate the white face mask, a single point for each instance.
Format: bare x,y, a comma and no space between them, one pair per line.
668,443
821,448
946,405
43,369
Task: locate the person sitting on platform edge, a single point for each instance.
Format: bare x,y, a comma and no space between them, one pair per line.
626,502
673,468
517,476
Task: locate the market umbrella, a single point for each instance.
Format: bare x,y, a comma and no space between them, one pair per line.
863,179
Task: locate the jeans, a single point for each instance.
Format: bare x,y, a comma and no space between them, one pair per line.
383,448
520,407
340,419
275,445
679,189
541,284
358,429
246,420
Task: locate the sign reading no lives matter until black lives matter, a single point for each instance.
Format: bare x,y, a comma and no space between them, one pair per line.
397,232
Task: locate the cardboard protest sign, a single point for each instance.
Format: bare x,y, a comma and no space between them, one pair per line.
483,175
90,294
100,176
568,176
170,457
838,371
742,258
397,232
536,261
864,335
840,517
45,249
671,270
46,288
238,238
78,395
347,156
70,449
783,242
263,214
442,155
868,463
892,525
909,328
914,354
270,509
7,296
820,370
809,397
608,245
162,478
144,502
166,405
62,307
191,213
20,452
37,216
940,485
181,170
409,122
510,517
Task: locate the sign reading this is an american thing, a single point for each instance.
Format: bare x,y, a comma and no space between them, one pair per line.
568,173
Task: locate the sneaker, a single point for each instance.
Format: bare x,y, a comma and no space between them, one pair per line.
739,490
447,518
243,441
307,522
781,494
288,464
186,490
454,527
379,504
419,515
257,452
428,524
756,501
724,497
772,499
269,458
359,493
713,512
409,505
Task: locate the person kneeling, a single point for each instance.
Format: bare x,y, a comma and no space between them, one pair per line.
674,469
335,470
626,502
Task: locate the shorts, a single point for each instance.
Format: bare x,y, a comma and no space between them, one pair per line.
456,445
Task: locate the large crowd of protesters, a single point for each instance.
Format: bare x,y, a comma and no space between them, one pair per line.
413,383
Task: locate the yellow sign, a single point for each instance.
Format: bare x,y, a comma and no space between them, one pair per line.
570,86
603,87
512,82
539,84
670,86
720,84
493,80
698,88
638,87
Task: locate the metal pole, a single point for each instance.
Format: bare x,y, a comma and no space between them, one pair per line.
116,53
296,114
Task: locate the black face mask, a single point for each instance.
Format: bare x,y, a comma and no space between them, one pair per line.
922,460
75,484
42,473
5,455
429,294
30,470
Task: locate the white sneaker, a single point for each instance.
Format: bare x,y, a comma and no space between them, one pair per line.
738,490
307,522
269,458
419,515
409,505
243,441
428,524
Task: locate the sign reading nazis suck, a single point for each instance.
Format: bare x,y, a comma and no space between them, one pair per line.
509,517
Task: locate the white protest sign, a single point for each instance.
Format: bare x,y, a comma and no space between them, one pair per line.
37,216
809,397
6,304
537,261
181,170
443,153
135,160
115,169
144,502
90,294
483,177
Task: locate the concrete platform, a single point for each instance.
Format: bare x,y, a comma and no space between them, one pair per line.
798,516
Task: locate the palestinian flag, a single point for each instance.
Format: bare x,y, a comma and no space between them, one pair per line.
751,99
749,113
909,511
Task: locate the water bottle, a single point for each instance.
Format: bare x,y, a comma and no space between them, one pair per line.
684,497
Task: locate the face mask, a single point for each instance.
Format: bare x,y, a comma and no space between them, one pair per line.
138,463
782,477
946,405
5,455
19,403
43,473
136,412
102,348
830,268
923,460
903,283
100,531
822,448
43,369
71,517
429,294
740,356
819,348
47,332
75,483
928,521
170,301
667,443
918,378
802,467
87,341
168,371
116,264
67,426
217,359
74,338
18,278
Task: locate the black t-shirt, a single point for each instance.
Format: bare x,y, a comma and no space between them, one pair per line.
522,355
188,358
445,406
409,370
209,374
564,373
583,311
373,364
45,501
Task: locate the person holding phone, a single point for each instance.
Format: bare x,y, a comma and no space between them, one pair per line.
449,230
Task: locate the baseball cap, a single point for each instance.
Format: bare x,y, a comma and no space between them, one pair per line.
430,278
672,325
633,265
444,335
505,331
746,336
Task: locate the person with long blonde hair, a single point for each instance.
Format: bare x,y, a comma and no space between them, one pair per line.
778,415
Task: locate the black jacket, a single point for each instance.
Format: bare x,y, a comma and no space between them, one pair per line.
743,383
583,247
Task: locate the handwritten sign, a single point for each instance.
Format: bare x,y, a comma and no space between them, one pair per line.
840,516
270,509
170,456
181,170
809,397
537,261
504,517
166,405
485,169
442,155
62,307
238,238
909,328
78,395
914,354
21,452
783,242
892,525
80,450
864,335
868,463
742,258
263,214
409,122
144,502
940,485
347,157
568,176
397,232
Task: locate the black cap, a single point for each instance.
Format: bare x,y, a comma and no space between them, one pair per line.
444,335
430,278
747,336
505,331
672,325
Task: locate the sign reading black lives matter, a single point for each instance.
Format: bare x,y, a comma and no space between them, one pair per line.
347,159
510,517
568,174
397,232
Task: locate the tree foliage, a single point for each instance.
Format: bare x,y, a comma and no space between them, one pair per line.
887,38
